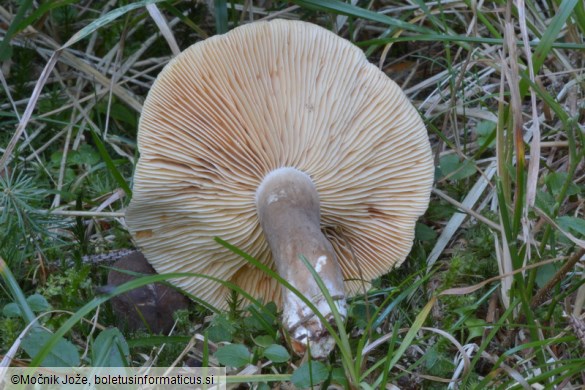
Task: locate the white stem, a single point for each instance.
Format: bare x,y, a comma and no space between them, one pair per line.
288,208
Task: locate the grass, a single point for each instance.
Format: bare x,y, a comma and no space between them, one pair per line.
493,291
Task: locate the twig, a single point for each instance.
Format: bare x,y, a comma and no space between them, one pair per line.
543,293
80,213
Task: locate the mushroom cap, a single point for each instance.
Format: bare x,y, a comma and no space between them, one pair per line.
229,110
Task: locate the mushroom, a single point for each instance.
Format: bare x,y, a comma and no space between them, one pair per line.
150,306
282,139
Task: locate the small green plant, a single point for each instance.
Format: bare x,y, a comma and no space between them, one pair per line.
71,289
20,198
13,317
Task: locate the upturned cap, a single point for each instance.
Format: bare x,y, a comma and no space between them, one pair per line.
231,109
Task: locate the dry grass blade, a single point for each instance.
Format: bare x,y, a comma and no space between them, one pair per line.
575,240
88,214
580,298
467,210
184,352
460,349
12,351
505,268
105,20
458,218
8,94
164,28
534,164
578,326
45,75
110,199
61,177
514,374
29,110
475,287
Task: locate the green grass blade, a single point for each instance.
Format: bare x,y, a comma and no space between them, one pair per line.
338,320
342,8
110,164
402,296
105,20
502,322
550,35
579,16
5,49
221,16
258,378
411,334
41,11
184,19
205,358
16,292
386,371
434,37
157,341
